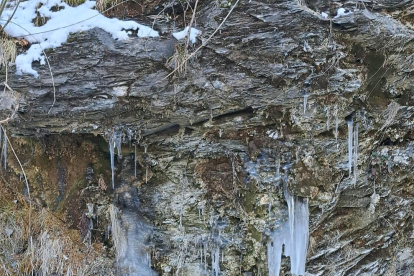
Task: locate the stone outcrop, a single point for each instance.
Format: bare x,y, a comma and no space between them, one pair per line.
216,146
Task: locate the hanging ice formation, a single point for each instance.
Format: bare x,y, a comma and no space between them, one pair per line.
294,234
355,153
336,124
305,102
350,146
114,142
215,260
135,161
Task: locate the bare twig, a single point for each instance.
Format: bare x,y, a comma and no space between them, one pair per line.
191,24
24,174
204,44
11,16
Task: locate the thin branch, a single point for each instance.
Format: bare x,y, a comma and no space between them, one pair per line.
191,24
24,174
11,16
204,44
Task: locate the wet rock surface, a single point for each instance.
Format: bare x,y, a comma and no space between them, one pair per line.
215,147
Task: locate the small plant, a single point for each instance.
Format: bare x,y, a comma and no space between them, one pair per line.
74,3
179,60
102,5
379,164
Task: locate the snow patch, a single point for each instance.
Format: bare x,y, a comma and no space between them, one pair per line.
342,12
272,134
183,34
59,26
324,15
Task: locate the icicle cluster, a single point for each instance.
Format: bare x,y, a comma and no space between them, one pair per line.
294,234
353,152
350,146
114,142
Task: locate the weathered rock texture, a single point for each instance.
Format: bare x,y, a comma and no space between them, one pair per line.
209,143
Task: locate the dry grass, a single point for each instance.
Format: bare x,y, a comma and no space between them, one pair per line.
74,3
389,114
49,248
8,51
102,5
179,60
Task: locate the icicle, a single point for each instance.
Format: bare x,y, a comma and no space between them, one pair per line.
114,142
135,161
305,102
215,260
350,146
111,153
355,153
294,234
5,149
201,255
336,124
117,141
274,249
205,255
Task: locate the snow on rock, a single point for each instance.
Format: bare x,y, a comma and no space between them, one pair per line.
342,12
324,15
272,134
59,26
193,34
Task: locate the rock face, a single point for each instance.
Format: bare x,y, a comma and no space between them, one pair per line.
265,104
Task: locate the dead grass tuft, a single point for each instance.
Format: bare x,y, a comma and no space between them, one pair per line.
49,248
179,60
8,51
389,114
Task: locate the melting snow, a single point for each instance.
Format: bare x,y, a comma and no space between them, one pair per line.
57,29
193,34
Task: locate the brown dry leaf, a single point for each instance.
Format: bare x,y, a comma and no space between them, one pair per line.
22,42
